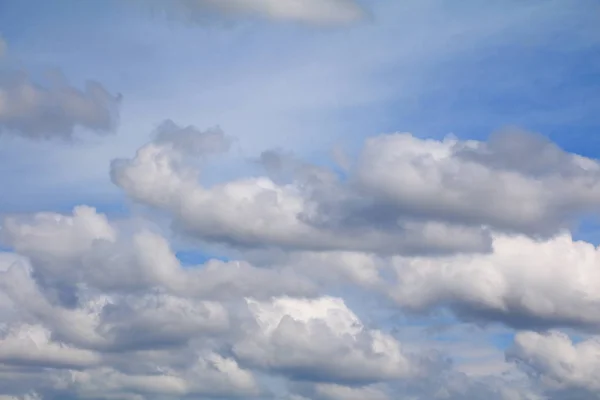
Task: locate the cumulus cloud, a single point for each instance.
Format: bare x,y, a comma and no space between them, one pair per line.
565,368
141,326
113,341
96,308
320,340
516,182
68,250
404,195
55,109
321,12
257,212
523,282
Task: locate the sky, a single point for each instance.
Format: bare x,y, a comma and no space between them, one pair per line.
299,200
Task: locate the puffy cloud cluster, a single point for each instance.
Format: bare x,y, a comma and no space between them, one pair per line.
107,313
561,365
320,340
404,196
97,308
523,282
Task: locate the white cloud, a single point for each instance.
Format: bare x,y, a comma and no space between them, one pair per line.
560,363
517,181
322,340
85,248
257,212
404,195
522,282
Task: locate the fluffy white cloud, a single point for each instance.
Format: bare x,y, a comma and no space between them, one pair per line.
94,308
522,282
320,340
404,195
308,11
56,109
562,366
258,212
517,181
84,248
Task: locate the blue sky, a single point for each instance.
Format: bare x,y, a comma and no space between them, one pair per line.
431,68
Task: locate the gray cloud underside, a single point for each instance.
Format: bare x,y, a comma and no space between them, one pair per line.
56,109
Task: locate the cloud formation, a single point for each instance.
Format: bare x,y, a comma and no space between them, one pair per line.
54,109
93,307
404,195
563,367
523,282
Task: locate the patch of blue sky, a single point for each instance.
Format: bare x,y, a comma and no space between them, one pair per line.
196,258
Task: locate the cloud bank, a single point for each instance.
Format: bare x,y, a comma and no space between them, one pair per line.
93,307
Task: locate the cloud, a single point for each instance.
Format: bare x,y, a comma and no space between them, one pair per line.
404,195
56,109
320,340
113,313
516,182
189,140
30,345
139,325
112,341
67,250
320,12
259,213
327,391
523,282
566,369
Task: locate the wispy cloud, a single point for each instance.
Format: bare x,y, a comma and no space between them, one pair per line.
322,12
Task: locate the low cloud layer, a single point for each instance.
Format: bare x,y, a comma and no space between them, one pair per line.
316,271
